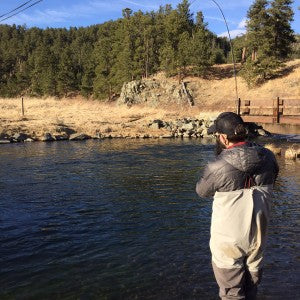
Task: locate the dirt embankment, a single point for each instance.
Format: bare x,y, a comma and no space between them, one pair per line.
210,96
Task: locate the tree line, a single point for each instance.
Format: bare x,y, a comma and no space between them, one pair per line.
95,61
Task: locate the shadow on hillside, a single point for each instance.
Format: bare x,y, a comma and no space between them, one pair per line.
221,72
285,71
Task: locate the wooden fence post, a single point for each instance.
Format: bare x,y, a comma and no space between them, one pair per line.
238,107
22,107
276,111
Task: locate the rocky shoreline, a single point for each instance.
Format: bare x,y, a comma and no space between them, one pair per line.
180,128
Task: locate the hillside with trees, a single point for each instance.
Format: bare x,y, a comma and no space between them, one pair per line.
95,61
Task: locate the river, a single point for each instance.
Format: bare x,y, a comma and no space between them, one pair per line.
119,219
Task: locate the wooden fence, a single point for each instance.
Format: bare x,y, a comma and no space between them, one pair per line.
273,111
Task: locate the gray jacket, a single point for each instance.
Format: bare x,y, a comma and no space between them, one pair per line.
234,167
241,180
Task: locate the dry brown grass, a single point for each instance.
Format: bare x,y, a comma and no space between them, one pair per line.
221,92
91,117
274,149
88,116
292,153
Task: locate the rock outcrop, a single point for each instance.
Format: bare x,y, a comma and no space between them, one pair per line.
154,92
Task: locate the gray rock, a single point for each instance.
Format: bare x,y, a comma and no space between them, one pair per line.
179,123
204,133
131,92
187,126
191,132
153,92
4,141
4,136
61,137
19,137
47,137
186,135
28,140
199,123
199,130
79,137
63,129
166,136
156,124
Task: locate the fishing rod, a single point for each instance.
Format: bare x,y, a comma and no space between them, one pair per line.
232,53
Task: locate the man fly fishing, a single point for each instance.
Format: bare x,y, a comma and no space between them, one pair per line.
241,180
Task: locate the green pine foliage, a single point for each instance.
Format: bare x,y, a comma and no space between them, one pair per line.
95,61
296,47
269,39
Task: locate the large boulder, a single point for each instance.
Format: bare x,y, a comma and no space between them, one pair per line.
154,92
61,137
156,124
19,137
47,137
79,137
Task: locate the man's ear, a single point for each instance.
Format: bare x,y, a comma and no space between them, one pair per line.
223,139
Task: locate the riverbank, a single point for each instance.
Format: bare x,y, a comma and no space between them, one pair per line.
155,108
57,119
77,119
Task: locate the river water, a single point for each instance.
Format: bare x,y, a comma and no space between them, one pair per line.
119,219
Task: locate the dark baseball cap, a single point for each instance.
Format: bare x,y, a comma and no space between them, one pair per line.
226,123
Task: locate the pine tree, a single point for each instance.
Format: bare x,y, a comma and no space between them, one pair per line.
258,28
185,21
105,55
184,53
201,47
281,16
178,25
67,81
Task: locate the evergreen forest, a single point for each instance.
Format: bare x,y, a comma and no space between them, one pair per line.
95,61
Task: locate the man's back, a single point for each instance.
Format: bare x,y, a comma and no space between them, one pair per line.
237,168
241,180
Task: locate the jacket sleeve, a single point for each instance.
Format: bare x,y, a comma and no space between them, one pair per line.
206,185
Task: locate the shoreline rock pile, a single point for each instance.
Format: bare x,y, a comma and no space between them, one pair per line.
180,128
184,128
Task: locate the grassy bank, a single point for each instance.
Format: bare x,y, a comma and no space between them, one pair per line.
85,116
211,95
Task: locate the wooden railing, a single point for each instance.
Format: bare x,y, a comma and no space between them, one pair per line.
275,111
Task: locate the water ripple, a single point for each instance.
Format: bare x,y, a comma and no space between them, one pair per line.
120,220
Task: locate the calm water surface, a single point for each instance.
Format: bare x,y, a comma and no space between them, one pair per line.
120,220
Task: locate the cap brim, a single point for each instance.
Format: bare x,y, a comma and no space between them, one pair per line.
212,129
